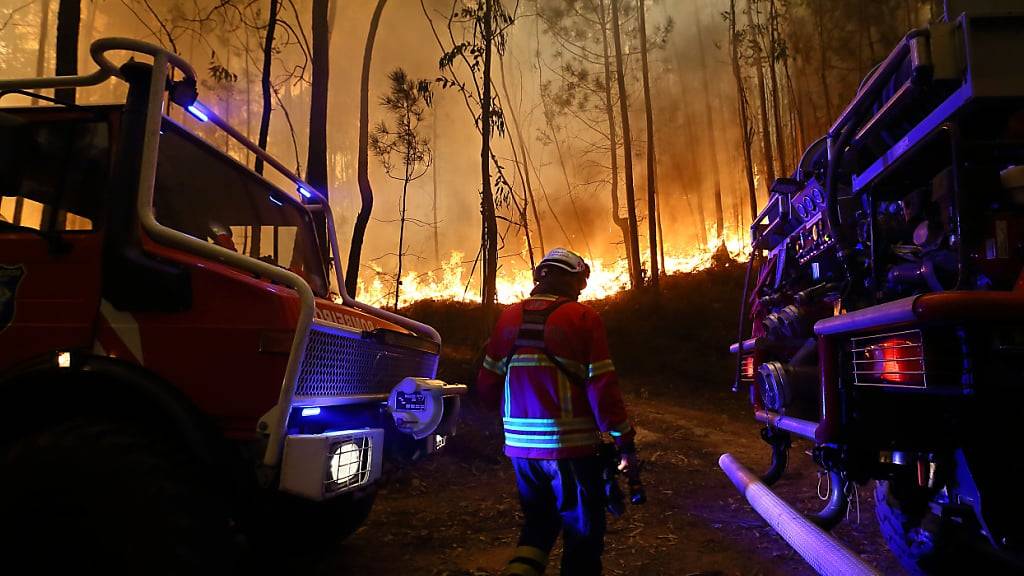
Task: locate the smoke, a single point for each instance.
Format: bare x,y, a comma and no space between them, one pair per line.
578,214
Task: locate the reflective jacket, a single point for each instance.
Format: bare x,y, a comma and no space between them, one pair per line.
558,395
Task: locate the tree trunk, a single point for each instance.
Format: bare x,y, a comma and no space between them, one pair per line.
44,34
84,60
401,231
709,117
268,59
522,167
489,231
613,140
780,145
823,58
652,211
627,149
744,112
696,176
316,161
433,175
362,161
798,115
540,181
69,20
549,120
762,97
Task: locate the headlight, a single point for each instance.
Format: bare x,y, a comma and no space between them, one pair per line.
348,463
319,466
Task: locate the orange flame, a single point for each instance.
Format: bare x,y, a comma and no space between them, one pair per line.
452,280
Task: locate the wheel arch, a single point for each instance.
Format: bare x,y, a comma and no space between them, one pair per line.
41,393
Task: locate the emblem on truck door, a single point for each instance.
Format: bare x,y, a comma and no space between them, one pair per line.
10,278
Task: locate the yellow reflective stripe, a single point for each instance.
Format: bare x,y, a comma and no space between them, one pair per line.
547,297
496,366
602,367
573,366
532,553
530,360
564,395
543,360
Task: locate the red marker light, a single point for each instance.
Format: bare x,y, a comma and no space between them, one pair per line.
897,361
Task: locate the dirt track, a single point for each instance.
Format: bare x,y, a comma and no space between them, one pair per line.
457,513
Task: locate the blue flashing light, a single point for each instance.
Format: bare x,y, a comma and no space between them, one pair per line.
276,201
198,112
312,411
305,191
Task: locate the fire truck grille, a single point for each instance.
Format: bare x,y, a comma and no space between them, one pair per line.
337,364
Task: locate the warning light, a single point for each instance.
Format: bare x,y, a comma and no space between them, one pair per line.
198,112
312,411
897,360
64,359
305,192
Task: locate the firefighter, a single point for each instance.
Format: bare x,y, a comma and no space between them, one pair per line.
548,369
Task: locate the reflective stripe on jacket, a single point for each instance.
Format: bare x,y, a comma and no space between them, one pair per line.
547,413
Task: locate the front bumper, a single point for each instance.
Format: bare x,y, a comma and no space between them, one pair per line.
319,465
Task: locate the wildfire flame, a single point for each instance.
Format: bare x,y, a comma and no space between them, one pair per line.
515,279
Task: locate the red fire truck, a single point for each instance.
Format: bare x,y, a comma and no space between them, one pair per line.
883,319
176,373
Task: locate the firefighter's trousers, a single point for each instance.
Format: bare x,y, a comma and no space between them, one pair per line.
564,496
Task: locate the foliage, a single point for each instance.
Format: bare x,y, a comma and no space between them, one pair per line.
401,146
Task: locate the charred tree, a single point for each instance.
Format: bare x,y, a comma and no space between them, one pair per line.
627,148
709,118
762,96
316,161
69,17
522,167
362,160
44,33
489,232
772,51
743,110
613,142
652,211
265,87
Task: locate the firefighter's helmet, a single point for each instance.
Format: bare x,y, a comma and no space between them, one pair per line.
566,260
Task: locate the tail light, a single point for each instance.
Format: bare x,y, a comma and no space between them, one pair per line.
747,370
895,359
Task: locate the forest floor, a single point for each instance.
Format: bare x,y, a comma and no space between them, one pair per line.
457,513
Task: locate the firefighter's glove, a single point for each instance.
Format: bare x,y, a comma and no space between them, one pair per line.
629,462
630,465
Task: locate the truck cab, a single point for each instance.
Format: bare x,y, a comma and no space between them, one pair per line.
169,313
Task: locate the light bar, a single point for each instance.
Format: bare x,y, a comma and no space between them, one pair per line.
198,112
312,411
305,192
276,201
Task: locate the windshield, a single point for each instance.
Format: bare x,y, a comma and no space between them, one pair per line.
33,194
206,194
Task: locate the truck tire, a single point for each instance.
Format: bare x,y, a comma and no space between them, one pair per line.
905,525
112,496
923,543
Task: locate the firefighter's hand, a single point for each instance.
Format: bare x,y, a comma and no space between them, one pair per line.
629,463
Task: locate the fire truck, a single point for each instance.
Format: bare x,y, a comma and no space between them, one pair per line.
883,318
177,372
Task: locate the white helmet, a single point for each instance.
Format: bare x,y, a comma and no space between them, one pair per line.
566,260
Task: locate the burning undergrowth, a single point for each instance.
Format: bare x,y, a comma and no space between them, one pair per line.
667,341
